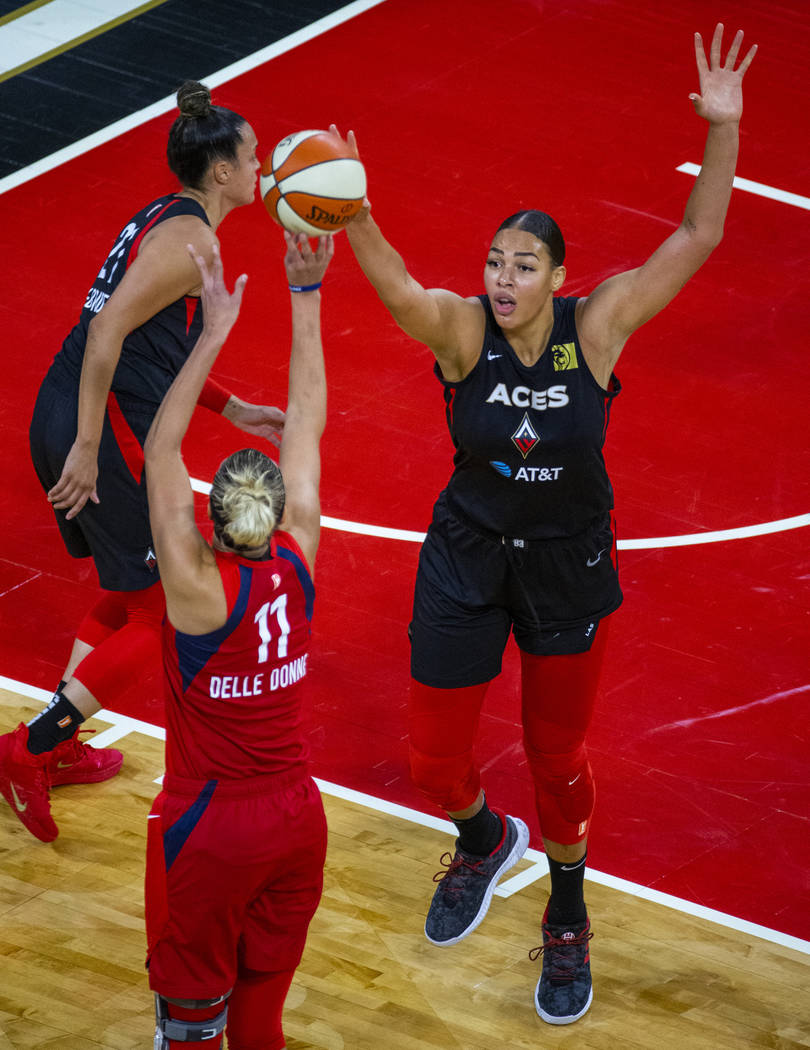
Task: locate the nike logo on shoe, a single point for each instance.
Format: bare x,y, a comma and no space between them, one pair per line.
19,805
64,765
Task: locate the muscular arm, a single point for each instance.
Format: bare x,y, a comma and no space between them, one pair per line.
161,274
623,303
451,326
305,419
195,598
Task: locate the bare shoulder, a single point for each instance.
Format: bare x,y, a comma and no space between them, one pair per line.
176,233
600,340
463,324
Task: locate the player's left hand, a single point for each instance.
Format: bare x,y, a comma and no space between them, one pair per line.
220,307
720,100
264,421
303,265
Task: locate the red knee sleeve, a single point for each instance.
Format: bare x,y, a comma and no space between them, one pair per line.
128,651
115,609
564,793
443,727
254,1011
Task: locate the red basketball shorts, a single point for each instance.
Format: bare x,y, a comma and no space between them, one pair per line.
234,873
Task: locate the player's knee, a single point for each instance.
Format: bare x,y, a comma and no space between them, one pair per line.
564,793
257,1003
451,782
189,1022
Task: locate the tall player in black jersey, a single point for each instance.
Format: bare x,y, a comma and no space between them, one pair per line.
521,538
138,324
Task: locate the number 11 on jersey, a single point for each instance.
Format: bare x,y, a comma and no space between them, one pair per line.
278,609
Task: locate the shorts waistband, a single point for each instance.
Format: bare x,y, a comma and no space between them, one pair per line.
191,787
518,542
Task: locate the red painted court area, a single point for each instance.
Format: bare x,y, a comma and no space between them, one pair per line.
465,112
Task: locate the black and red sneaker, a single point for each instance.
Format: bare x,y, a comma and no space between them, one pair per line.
564,991
465,888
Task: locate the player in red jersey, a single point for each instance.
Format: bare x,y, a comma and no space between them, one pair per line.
237,837
140,319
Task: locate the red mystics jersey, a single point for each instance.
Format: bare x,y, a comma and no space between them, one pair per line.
233,697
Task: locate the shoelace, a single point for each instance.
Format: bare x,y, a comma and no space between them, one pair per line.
563,962
453,866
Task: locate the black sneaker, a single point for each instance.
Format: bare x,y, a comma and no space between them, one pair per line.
564,992
462,897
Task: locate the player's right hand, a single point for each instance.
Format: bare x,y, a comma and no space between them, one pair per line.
77,483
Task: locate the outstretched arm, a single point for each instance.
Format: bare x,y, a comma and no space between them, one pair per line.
300,458
623,303
195,599
451,326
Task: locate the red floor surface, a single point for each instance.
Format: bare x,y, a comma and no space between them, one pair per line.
466,111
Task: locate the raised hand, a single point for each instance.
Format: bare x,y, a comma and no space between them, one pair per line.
720,99
220,307
264,421
304,266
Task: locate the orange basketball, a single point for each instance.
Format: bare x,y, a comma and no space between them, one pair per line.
312,184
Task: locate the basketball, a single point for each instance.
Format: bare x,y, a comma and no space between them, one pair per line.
312,184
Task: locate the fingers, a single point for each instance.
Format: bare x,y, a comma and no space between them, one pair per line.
351,140
746,62
715,54
700,56
733,51
716,48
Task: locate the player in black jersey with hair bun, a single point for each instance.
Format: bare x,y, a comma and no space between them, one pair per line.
139,321
521,539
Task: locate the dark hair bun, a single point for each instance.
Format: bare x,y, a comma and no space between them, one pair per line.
193,100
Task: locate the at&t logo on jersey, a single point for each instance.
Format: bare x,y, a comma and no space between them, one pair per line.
526,473
525,438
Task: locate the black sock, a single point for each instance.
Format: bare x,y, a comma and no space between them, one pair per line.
55,724
480,834
566,907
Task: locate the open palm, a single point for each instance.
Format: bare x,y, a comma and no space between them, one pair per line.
720,99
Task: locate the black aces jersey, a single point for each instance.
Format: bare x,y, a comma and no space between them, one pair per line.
153,353
528,460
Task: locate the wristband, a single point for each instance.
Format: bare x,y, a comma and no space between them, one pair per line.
213,396
305,287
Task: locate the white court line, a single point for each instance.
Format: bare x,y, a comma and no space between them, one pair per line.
509,886
55,25
758,188
167,104
654,543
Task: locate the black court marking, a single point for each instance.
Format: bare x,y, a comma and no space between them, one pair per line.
134,65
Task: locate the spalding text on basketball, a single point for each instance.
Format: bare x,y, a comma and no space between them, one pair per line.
320,216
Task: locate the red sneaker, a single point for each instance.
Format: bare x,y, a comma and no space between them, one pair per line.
73,762
24,784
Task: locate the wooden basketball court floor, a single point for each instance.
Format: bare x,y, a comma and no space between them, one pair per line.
699,891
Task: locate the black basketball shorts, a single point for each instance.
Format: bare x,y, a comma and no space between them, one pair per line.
473,588
115,532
